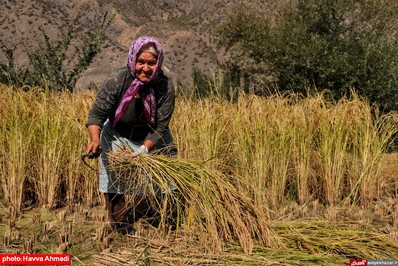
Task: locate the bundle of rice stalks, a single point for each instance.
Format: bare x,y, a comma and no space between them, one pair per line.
305,243
155,251
211,205
349,240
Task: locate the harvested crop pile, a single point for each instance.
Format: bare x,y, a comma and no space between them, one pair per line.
210,204
304,243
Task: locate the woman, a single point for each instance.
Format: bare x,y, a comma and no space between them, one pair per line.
134,108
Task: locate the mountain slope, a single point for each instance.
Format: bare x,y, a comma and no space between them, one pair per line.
185,28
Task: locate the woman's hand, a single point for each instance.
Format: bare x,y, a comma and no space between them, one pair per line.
94,145
143,150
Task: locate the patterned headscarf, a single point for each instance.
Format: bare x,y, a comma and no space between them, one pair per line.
147,95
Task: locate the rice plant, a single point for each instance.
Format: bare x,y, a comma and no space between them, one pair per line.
240,164
205,200
290,147
15,148
42,135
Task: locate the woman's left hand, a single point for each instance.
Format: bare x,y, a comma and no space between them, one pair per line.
142,150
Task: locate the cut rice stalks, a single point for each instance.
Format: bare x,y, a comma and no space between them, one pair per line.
208,204
305,243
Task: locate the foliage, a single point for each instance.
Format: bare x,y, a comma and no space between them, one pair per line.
301,44
216,85
9,74
220,85
56,64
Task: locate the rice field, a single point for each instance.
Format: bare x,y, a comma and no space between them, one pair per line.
282,179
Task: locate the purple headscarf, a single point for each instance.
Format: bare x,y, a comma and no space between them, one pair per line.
147,95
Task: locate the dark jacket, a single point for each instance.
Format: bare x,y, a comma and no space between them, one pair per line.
110,94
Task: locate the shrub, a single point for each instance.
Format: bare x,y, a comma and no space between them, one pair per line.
50,63
301,44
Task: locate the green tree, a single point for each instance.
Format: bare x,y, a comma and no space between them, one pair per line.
58,63
303,44
216,85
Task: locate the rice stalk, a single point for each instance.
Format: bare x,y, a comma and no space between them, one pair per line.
344,239
218,207
370,137
263,146
41,139
351,142
306,243
289,147
49,137
16,135
73,109
202,131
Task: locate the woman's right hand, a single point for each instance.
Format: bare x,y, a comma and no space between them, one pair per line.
94,145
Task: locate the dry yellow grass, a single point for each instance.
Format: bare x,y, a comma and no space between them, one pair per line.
282,158
207,202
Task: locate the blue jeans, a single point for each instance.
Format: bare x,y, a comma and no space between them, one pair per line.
111,140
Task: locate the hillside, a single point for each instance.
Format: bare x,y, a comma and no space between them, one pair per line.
185,28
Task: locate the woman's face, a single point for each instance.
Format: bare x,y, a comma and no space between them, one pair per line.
145,66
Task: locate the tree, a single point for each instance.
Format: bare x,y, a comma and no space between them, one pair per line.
302,44
52,64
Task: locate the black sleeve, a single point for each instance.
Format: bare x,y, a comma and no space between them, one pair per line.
164,110
108,97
